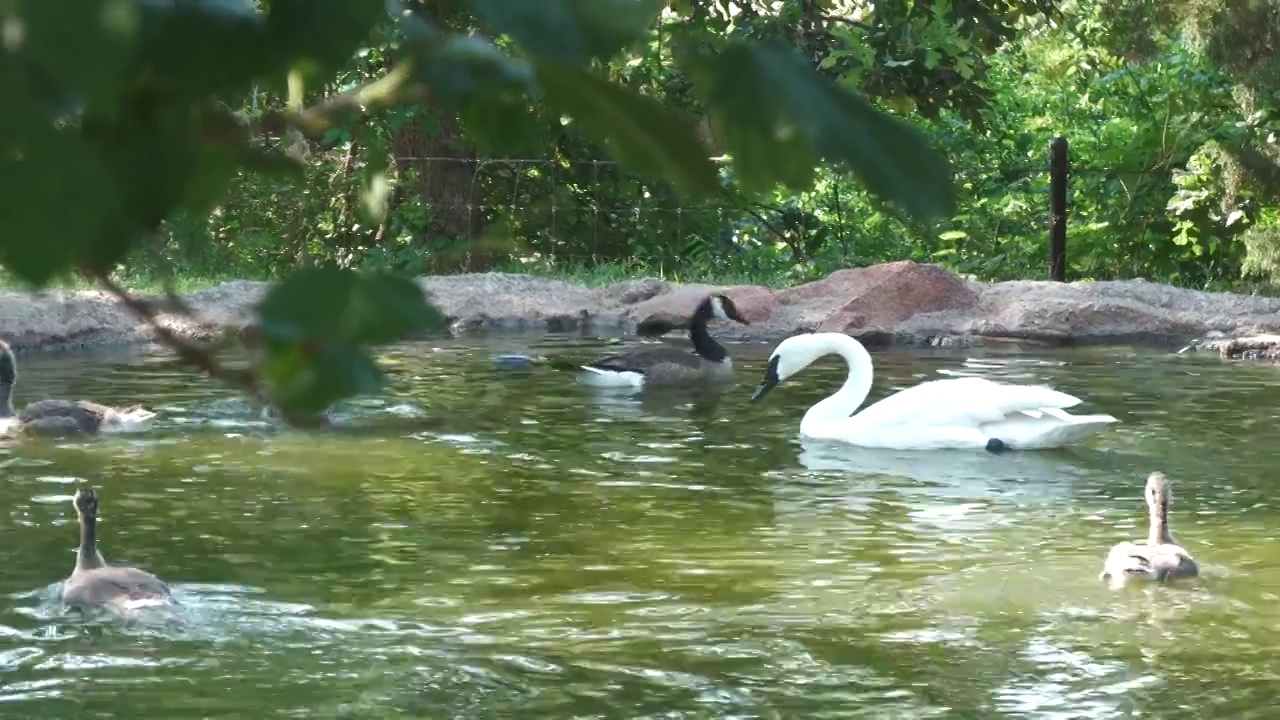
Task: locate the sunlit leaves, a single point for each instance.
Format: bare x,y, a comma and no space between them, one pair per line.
317,323
776,113
644,134
570,31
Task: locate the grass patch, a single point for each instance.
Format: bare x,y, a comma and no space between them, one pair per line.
136,281
611,273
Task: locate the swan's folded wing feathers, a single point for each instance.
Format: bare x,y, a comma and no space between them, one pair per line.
958,401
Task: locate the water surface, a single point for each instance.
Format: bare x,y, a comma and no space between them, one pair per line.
488,543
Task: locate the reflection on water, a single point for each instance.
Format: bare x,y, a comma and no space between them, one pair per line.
484,541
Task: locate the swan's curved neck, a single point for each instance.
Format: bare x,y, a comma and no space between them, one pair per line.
846,401
87,556
1158,531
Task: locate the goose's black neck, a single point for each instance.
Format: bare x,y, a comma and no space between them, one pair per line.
703,344
8,378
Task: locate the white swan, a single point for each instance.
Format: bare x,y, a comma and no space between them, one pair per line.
960,413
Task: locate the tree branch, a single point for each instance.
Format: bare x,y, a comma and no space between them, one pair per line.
186,351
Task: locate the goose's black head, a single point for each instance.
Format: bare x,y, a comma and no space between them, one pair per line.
719,307
86,503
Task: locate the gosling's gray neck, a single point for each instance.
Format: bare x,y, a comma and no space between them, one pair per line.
1158,532
87,556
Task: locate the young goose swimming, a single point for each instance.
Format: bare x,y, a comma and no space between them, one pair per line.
1161,558
95,584
667,365
62,417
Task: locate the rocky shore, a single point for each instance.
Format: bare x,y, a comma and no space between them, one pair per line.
901,302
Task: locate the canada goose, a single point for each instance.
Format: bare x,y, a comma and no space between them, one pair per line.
62,417
962,413
667,365
93,583
1161,558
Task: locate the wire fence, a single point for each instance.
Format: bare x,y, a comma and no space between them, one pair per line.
593,212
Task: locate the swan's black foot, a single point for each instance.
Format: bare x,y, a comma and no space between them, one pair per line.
996,446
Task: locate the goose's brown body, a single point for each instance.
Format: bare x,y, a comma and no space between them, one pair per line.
94,584
63,417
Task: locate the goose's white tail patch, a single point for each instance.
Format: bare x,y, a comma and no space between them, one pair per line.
148,602
129,421
610,378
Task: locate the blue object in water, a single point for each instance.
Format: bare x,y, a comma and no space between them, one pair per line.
516,362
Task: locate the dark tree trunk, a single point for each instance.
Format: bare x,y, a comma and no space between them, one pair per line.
445,169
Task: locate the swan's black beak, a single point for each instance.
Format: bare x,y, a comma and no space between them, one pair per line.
769,381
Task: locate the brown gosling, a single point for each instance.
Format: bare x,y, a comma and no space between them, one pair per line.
1161,558
94,584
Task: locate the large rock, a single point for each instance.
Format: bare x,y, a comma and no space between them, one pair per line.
754,302
880,297
900,302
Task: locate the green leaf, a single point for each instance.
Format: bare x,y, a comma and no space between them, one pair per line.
770,105
374,198
305,381
574,32
199,47
153,157
324,34
102,32
57,192
327,304
644,134
317,322
762,156
487,87
58,199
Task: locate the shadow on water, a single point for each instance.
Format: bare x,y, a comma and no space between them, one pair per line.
489,542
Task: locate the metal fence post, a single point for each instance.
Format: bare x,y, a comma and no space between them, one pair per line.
1059,167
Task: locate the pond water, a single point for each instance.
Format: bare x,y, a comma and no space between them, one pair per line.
485,543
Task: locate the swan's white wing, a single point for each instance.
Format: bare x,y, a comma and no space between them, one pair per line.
963,402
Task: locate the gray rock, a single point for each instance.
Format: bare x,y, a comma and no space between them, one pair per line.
900,302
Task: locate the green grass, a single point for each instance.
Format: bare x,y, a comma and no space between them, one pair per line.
608,274
142,282
146,281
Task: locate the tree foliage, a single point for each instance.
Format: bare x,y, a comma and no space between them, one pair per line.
340,145
125,115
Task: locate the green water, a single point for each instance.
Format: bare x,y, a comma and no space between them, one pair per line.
487,543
